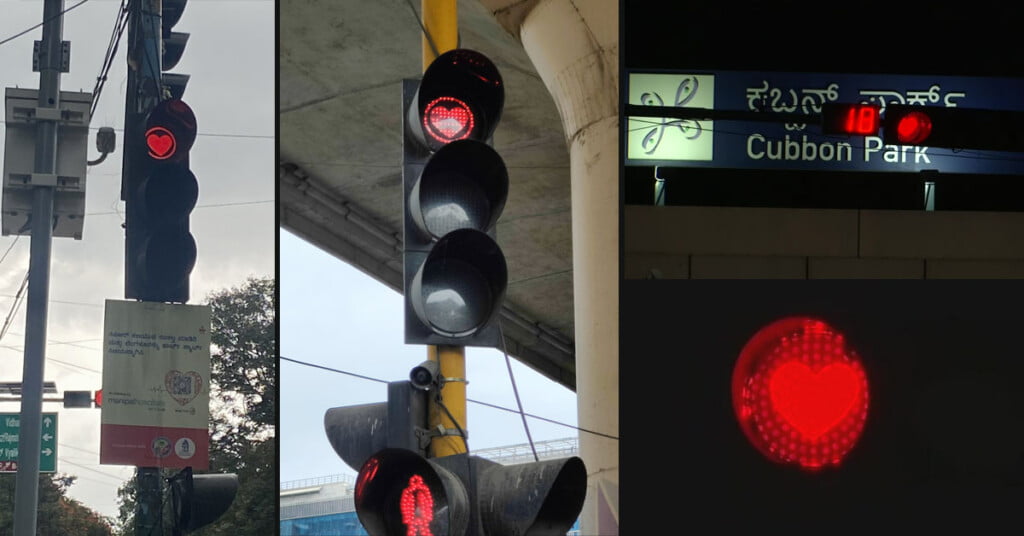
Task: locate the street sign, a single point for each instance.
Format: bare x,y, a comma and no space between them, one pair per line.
746,144
10,426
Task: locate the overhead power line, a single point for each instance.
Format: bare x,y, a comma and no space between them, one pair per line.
58,15
545,419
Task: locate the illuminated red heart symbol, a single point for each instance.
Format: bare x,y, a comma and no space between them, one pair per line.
450,118
183,386
160,143
814,402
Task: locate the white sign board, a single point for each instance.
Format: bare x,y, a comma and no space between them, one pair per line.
156,379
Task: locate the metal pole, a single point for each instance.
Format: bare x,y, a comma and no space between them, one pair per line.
148,518
26,502
144,85
440,20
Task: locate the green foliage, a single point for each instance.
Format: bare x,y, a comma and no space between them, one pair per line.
242,413
57,514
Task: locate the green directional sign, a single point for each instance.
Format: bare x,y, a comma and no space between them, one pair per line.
10,426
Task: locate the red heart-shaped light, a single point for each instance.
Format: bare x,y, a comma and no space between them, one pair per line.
160,143
800,393
814,402
450,122
447,119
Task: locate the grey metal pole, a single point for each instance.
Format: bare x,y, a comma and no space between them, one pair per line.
26,502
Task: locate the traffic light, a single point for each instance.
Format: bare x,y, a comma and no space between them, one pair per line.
83,399
823,404
455,187
953,128
400,490
160,249
173,47
797,379
199,500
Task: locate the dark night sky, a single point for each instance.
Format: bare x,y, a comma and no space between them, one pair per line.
895,37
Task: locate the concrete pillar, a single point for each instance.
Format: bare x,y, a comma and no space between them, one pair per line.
575,47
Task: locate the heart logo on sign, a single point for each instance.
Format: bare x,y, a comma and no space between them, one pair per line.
160,142
183,386
814,402
449,119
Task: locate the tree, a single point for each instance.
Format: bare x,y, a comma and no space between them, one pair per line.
243,409
57,514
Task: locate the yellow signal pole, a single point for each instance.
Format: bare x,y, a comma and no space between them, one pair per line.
440,19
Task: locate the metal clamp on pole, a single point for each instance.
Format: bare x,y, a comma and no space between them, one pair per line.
441,431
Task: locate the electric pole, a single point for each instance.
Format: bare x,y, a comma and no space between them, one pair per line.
50,59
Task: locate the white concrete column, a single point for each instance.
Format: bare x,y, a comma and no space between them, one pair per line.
574,46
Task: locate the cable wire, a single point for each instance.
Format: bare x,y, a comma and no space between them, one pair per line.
488,404
58,15
108,60
515,390
331,369
18,299
419,20
462,433
9,248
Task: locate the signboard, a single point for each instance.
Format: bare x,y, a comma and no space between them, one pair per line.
10,426
156,379
653,141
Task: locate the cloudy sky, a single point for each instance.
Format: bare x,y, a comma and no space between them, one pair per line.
335,316
230,57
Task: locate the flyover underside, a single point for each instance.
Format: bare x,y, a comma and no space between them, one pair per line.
310,210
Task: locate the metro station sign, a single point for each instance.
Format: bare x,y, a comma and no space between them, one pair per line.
743,144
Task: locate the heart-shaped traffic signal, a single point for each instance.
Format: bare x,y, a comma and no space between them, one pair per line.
800,393
814,401
448,119
160,142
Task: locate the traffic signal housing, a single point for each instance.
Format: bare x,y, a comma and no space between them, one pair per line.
401,490
160,250
172,47
199,500
455,188
953,128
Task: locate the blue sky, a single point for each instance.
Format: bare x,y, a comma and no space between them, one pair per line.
334,315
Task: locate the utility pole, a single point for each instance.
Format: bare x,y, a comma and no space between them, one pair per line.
440,22
50,57
144,91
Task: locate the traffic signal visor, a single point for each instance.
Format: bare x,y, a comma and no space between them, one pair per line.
199,500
